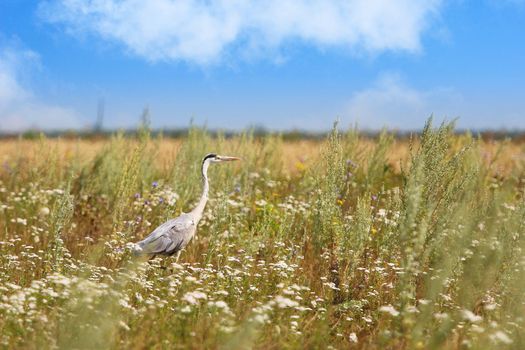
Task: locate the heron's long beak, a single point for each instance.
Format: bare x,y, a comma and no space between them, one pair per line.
229,159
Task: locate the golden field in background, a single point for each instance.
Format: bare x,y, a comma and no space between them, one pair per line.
503,155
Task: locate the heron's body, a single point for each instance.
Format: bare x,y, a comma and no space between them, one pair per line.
169,238
175,234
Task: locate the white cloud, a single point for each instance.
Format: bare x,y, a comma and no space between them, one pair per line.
208,31
391,102
20,109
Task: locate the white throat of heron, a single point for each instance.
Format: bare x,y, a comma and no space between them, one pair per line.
199,209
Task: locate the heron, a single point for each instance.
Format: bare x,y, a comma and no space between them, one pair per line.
175,234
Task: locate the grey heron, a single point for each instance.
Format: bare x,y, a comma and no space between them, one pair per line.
175,234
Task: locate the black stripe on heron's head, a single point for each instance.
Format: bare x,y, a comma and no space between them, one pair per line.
209,155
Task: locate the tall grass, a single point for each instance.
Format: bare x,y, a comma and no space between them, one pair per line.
339,250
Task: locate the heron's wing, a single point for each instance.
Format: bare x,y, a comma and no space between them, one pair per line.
169,237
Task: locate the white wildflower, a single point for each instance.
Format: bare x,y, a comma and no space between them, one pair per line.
21,221
389,309
367,319
219,304
490,307
261,203
502,337
283,302
352,337
186,309
194,297
470,316
233,258
260,318
44,211
191,279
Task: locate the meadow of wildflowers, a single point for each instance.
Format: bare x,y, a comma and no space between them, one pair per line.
344,243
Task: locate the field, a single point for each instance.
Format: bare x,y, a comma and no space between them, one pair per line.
349,242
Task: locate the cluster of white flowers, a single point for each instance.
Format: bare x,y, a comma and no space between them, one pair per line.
193,298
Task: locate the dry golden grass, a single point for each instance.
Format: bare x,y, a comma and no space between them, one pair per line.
504,156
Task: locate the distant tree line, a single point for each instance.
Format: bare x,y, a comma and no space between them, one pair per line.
291,135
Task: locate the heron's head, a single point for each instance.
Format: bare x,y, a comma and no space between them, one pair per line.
216,158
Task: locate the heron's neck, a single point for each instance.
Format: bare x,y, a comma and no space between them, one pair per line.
199,209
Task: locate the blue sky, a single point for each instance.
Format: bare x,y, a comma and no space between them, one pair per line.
279,64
